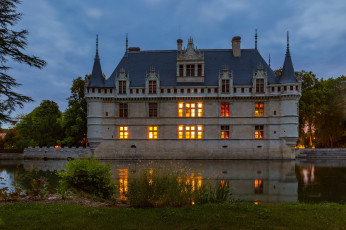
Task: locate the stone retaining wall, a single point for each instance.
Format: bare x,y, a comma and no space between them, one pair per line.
322,153
56,153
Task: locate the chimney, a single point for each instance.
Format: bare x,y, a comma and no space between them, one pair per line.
179,44
236,46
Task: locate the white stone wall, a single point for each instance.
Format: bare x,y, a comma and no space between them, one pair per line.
280,123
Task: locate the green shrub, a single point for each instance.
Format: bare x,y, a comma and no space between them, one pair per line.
158,188
89,176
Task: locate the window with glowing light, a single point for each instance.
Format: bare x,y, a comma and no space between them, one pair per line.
224,131
152,132
258,186
123,132
190,132
224,109
259,109
190,109
259,131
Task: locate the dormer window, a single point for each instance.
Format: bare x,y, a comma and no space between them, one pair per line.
225,86
122,87
152,87
259,85
190,64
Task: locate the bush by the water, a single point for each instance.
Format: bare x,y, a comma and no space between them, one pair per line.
89,176
158,188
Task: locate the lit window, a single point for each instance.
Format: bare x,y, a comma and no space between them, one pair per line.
225,86
123,132
180,131
259,131
191,109
152,87
258,186
152,109
123,110
199,109
181,109
224,109
199,131
259,85
224,131
122,87
190,132
259,109
152,132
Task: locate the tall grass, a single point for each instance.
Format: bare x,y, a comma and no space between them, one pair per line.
160,187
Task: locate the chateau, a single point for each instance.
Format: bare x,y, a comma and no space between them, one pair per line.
193,103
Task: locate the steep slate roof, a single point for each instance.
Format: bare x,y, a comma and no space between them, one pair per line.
96,79
287,75
137,64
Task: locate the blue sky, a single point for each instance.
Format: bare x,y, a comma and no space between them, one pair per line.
62,32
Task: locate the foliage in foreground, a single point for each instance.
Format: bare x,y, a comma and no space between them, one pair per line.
158,188
89,176
210,216
12,46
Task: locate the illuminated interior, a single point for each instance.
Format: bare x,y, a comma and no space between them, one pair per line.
224,109
191,109
259,131
224,131
190,132
123,132
123,183
258,186
152,134
259,109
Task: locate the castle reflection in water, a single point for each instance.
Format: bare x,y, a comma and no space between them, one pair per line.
262,181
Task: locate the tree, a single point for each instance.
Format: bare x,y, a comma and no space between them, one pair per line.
12,45
41,127
74,120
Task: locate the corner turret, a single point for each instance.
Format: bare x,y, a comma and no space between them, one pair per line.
287,75
96,79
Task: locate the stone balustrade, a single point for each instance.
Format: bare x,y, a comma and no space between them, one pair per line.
56,153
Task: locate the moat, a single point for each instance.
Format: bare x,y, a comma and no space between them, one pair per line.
263,181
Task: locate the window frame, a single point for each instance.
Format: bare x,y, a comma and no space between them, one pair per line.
224,131
259,109
152,132
152,109
124,132
225,88
225,109
260,85
122,87
152,86
259,131
123,110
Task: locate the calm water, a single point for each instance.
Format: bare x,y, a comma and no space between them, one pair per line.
264,181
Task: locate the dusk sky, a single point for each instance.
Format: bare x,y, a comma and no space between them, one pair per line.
63,32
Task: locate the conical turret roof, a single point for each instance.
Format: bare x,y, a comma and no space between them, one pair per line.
287,75
96,79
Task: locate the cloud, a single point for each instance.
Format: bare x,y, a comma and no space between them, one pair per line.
219,10
93,12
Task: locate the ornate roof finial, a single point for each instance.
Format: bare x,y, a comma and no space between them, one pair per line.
288,45
127,42
97,46
256,39
269,60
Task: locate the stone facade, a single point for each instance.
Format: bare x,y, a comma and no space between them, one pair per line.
156,119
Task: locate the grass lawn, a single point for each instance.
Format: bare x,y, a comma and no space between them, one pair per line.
210,216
